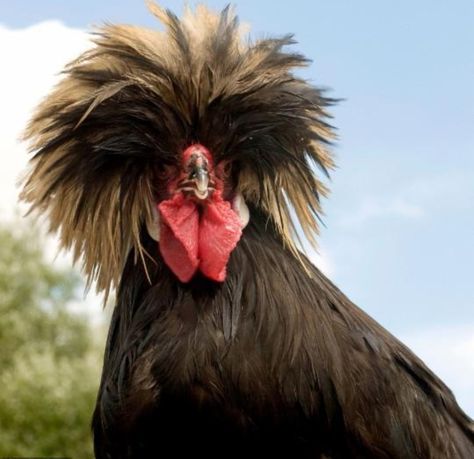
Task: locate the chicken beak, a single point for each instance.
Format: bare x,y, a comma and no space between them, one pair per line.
200,176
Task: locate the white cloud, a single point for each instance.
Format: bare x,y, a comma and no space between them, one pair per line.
449,352
32,59
379,207
423,196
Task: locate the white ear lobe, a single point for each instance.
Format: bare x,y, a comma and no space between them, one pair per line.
153,225
239,206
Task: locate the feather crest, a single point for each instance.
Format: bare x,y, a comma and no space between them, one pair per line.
127,108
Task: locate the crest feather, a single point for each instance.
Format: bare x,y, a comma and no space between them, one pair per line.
132,103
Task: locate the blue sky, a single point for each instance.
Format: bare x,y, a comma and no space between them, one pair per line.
399,236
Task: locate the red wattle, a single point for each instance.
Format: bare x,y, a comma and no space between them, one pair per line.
219,231
189,241
179,236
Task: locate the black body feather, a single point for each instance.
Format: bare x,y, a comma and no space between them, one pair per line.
272,363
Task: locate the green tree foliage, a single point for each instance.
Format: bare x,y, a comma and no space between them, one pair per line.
50,357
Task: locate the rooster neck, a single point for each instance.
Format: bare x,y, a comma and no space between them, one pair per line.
190,359
247,332
258,267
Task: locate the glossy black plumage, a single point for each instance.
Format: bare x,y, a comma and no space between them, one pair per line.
271,363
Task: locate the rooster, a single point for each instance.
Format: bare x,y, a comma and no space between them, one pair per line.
179,166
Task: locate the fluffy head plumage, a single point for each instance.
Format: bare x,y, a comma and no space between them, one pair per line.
128,107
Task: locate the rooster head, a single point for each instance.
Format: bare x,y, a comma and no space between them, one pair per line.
201,222
178,132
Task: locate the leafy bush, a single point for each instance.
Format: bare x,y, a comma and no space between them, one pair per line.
50,357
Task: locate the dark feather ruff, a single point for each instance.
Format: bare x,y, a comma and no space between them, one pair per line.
273,362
